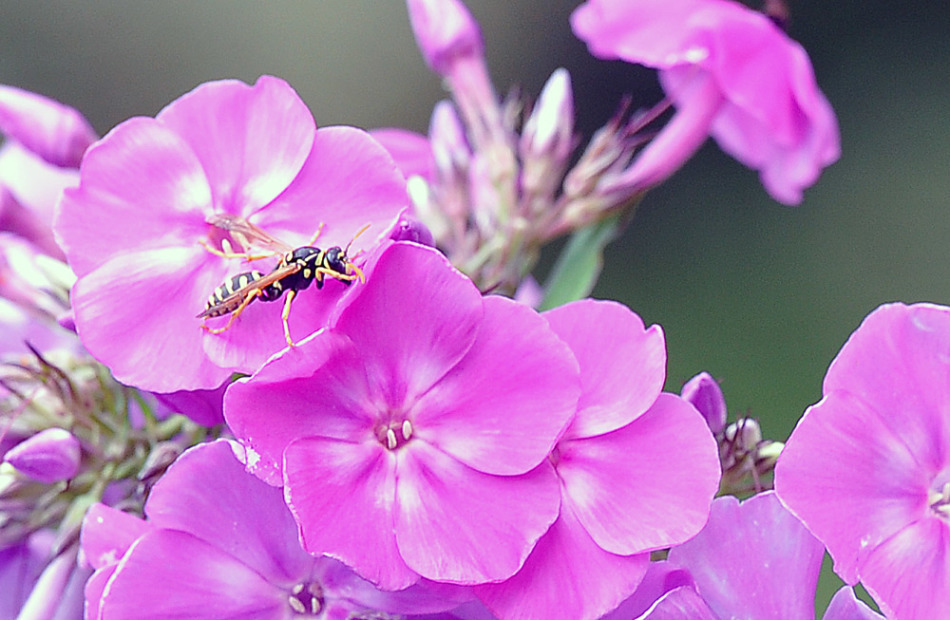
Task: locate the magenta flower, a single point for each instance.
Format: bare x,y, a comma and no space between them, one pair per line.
868,467
44,142
38,584
752,560
638,471
411,435
731,73
218,542
206,407
55,132
155,194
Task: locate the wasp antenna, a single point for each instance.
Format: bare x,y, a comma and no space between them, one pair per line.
346,251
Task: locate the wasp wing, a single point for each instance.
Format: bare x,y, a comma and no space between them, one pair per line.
231,302
247,234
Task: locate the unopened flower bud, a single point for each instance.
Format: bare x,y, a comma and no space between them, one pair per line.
704,393
744,434
450,148
549,131
768,454
49,456
445,31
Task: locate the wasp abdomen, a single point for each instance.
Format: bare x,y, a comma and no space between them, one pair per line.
215,305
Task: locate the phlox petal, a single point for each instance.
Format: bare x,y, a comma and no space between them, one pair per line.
898,362
259,332
567,575
345,167
418,316
318,388
129,311
909,574
661,577
58,133
754,560
131,198
647,485
503,407
683,603
208,494
845,605
259,139
842,450
95,587
107,533
342,496
459,525
411,151
623,364
185,577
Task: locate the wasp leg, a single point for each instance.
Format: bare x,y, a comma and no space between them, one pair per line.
237,312
349,277
227,253
285,315
313,239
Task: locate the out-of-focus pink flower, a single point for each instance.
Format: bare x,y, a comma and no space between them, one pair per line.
37,584
445,32
867,469
151,200
752,560
219,542
638,471
45,141
412,434
48,456
56,132
731,73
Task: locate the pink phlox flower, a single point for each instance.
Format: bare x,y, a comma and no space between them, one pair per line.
58,133
37,584
867,469
731,73
638,470
206,407
44,142
34,291
753,559
156,193
218,542
412,434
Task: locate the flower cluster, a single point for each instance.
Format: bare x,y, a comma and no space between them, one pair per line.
394,438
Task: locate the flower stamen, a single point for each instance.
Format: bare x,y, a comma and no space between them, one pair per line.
306,598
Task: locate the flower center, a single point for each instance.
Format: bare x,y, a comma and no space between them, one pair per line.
394,434
938,498
306,598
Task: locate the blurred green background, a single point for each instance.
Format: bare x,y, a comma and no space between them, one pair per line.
760,295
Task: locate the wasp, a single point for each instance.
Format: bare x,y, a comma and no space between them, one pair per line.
296,270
